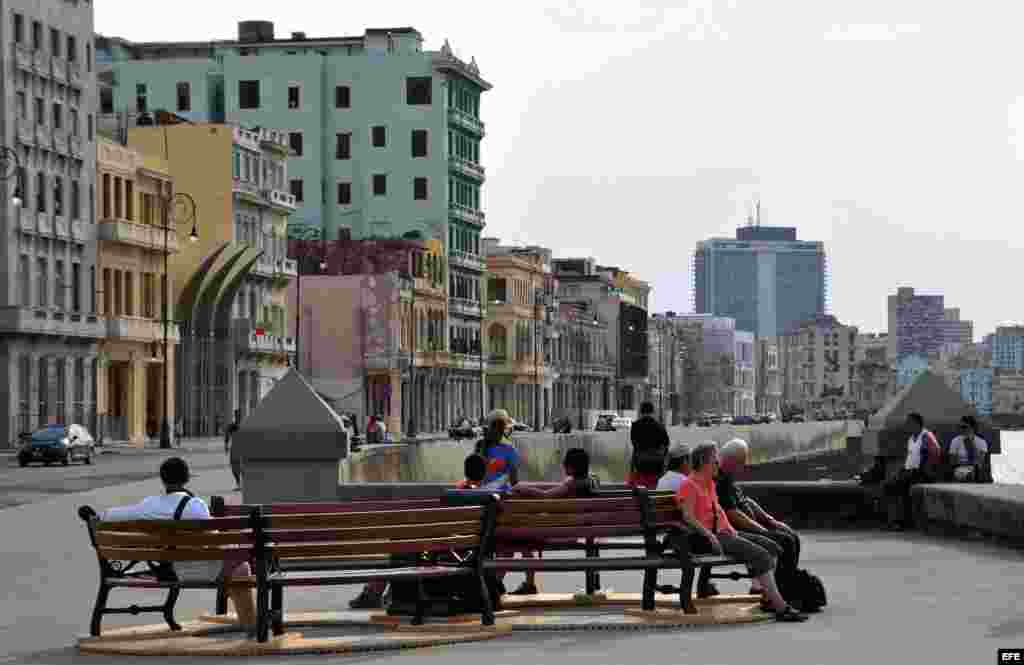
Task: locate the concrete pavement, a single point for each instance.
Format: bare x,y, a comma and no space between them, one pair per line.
892,598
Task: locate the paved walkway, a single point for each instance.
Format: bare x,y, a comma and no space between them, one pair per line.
892,598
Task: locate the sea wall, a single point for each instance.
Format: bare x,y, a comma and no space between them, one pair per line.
542,452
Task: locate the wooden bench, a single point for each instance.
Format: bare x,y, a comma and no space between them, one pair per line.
330,538
130,552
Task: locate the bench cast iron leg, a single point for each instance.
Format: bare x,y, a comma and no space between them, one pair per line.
172,598
593,577
97,610
277,610
421,603
704,580
649,587
686,591
262,615
487,608
222,600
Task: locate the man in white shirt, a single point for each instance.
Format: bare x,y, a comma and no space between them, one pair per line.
678,468
923,453
178,503
968,452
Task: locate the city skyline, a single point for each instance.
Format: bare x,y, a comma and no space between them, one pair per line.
841,122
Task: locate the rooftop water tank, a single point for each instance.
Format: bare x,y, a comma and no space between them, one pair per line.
255,31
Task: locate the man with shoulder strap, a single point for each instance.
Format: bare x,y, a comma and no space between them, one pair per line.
923,458
650,446
179,503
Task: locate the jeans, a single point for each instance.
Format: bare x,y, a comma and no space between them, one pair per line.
757,552
788,543
899,488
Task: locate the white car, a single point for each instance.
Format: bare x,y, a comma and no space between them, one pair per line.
622,423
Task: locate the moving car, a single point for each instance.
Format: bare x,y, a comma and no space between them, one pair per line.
622,423
605,423
57,443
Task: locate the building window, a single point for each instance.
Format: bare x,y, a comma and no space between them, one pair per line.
129,293
129,200
344,193
295,141
72,50
22,103
40,106
74,122
118,301
58,285
25,277
58,195
88,57
90,127
76,287
55,42
419,189
342,97
58,116
248,94
343,146
37,36
417,90
43,281
40,192
296,189
419,143
92,289
19,28
380,136
140,98
107,195
184,90
294,97
380,185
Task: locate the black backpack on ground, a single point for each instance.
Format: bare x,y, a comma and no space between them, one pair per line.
446,596
803,590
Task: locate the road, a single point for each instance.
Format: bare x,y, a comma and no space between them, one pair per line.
36,482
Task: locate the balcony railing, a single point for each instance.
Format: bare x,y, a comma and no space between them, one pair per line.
75,74
273,138
466,121
246,138
26,132
467,214
60,141
466,167
466,260
139,328
43,135
280,199
23,56
240,186
41,62
148,236
62,228
464,306
59,69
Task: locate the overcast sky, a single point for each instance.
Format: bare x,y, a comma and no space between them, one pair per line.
891,130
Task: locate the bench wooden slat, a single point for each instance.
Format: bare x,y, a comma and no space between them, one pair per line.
176,554
399,532
567,505
347,507
309,549
376,518
157,526
632,517
318,578
168,539
582,564
543,534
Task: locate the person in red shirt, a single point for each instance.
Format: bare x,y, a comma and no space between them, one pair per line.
475,470
698,501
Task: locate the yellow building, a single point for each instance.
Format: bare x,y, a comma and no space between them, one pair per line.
229,285
130,380
519,287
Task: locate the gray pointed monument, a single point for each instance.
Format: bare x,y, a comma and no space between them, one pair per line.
291,445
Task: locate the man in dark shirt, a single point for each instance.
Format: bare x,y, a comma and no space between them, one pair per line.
650,446
746,515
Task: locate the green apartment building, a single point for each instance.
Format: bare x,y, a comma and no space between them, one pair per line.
385,136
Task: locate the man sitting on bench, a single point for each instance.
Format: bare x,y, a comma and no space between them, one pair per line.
178,503
698,501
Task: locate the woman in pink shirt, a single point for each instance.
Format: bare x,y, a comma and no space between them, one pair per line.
698,502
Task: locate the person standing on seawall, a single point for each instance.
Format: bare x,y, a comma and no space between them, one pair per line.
235,460
650,447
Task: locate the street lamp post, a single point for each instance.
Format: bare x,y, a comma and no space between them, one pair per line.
181,209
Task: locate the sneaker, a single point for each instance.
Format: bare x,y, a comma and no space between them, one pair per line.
525,589
367,600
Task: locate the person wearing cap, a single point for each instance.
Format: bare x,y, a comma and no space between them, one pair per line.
678,468
650,445
178,503
502,457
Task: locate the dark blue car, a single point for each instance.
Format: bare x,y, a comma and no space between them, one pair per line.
57,443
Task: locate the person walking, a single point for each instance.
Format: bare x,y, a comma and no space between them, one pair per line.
650,447
229,450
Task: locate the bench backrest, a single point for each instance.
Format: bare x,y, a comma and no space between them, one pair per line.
223,509
537,519
172,540
376,533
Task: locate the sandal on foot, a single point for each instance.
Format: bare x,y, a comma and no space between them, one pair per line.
790,615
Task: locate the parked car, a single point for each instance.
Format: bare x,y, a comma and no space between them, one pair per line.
622,423
797,418
561,425
727,419
704,420
744,420
58,443
465,429
605,423
520,427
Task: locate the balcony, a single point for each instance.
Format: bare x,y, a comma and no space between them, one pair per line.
274,139
466,214
41,62
61,227
75,74
43,321
60,141
22,57
139,329
26,132
27,221
43,135
281,200
246,138
75,145
466,168
45,224
461,259
247,190
464,307
147,236
288,267
59,69
80,230
466,121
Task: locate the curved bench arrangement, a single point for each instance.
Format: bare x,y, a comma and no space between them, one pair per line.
326,544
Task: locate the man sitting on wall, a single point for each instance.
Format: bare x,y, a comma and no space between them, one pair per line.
747,516
921,466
